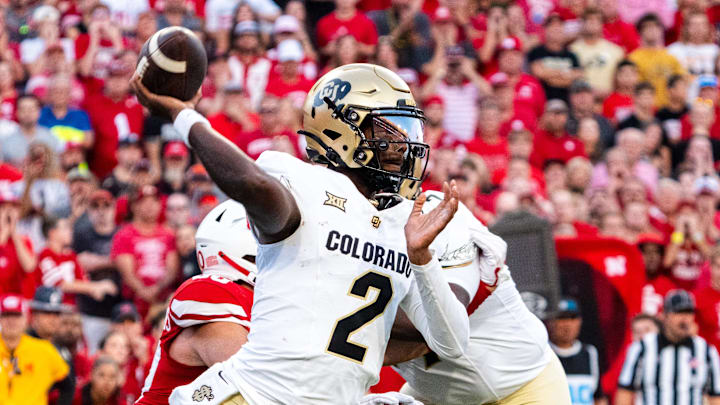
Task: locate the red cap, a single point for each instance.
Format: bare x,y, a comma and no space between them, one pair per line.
175,149
510,44
146,191
12,304
434,99
442,14
197,172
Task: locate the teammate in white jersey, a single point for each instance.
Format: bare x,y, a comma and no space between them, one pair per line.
341,247
508,360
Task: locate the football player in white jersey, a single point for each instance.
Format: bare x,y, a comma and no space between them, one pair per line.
508,360
341,246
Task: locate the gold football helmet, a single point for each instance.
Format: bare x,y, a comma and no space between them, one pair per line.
360,114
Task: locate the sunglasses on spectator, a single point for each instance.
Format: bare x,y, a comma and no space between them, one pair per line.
177,207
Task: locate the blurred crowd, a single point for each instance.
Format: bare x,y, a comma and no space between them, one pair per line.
601,116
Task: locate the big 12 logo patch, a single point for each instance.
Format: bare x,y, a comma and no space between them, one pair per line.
335,90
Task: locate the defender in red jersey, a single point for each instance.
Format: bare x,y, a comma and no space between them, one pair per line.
208,317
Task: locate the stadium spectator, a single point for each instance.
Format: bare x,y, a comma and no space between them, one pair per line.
46,307
185,236
615,29
69,125
104,385
43,190
696,51
655,64
619,104
287,81
459,86
248,67
129,154
8,92
643,113
70,343
92,239
117,347
288,27
688,248
346,20
552,142
175,13
670,351
552,63
346,51
580,360
657,283
126,319
144,252
58,266
16,250
270,135
643,324
582,105
114,115
565,219
46,32
177,210
488,142
95,49
670,115
708,298
598,57
408,29
15,145
30,365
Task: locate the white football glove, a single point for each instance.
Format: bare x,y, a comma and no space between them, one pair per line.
494,251
389,398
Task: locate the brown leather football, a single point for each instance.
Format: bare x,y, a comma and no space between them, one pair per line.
173,63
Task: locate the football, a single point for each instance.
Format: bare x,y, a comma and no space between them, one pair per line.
173,63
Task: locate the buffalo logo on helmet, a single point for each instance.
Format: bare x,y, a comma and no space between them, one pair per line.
202,393
335,90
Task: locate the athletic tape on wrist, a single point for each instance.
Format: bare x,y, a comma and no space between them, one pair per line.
185,121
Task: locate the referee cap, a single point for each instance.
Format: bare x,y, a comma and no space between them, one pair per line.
678,301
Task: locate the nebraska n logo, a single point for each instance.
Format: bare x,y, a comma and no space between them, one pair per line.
202,393
335,201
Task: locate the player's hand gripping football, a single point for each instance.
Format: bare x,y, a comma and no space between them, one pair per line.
162,105
422,229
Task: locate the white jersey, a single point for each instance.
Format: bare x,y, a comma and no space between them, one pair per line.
326,297
508,344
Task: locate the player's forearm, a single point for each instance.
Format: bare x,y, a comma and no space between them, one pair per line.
399,351
441,317
269,204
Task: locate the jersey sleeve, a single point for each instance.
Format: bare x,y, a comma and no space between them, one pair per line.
208,299
630,374
57,367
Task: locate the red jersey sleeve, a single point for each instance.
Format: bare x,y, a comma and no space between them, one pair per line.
121,243
206,298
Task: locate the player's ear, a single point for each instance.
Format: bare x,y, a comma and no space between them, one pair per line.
197,97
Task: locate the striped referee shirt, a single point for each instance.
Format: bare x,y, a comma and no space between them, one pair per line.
667,373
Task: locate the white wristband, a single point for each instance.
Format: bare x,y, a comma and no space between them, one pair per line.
185,121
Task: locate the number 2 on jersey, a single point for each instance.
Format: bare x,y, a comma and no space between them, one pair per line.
348,325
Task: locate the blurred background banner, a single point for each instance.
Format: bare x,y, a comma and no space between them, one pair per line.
605,276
